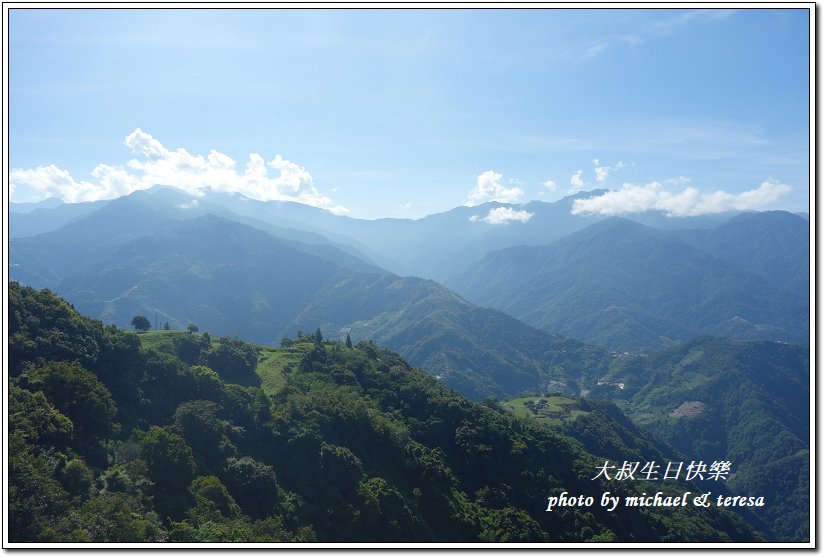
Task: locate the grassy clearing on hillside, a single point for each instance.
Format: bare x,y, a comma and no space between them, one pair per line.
550,410
164,340
270,368
270,364
159,340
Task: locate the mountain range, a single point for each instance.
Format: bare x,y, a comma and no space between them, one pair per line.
135,257
435,247
614,283
120,437
592,307
627,286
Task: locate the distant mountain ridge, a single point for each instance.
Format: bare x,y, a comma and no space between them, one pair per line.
30,219
626,286
437,246
616,282
26,207
773,244
232,279
641,292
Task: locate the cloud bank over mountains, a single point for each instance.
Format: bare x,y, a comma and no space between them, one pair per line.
489,188
283,180
502,215
687,203
278,179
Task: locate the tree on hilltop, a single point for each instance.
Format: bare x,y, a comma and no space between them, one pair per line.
141,323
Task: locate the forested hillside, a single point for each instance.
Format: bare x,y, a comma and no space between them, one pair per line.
174,436
234,279
744,401
629,287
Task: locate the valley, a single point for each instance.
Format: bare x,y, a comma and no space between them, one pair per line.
634,341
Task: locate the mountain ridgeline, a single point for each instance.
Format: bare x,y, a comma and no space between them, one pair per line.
587,338
626,286
616,283
747,402
233,279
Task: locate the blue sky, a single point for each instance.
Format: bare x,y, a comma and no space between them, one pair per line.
410,112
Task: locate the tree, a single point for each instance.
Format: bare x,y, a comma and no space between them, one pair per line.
318,336
170,466
197,421
348,341
166,326
253,485
212,500
76,478
36,499
78,394
192,328
187,348
141,323
235,362
111,518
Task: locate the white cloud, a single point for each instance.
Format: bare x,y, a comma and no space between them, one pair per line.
502,215
679,181
192,173
51,181
601,172
686,203
489,188
550,185
190,205
576,181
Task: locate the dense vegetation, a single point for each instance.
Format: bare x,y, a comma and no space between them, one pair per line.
615,283
235,280
744,401
174,436
628,287
773,244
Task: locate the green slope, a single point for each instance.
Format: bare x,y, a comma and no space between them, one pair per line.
111,441
234,280
747,402
629,287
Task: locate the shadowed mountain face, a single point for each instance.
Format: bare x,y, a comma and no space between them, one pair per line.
616,283
317,441
626,286
435,247
30,219
263,271
773,244
70,249
232,279
747,402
